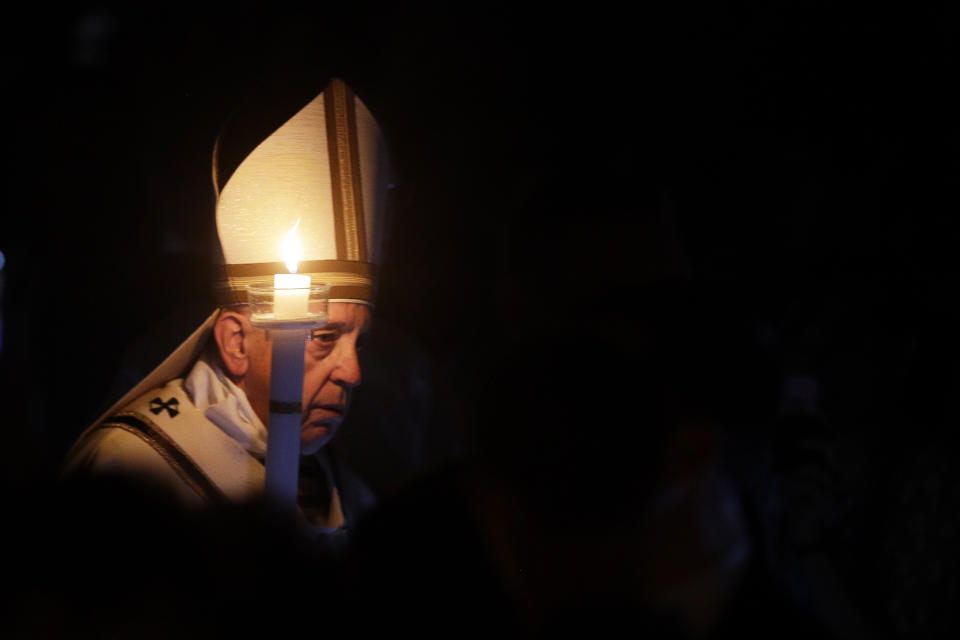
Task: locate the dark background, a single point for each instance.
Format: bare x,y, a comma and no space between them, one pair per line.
804,154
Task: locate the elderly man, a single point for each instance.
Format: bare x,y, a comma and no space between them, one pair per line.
197,426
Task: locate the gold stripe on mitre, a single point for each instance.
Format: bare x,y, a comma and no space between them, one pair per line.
345,174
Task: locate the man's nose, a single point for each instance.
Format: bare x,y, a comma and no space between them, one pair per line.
346,373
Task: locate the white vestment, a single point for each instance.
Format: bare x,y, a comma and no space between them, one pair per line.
198,438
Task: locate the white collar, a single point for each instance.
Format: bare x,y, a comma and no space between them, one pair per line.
226,405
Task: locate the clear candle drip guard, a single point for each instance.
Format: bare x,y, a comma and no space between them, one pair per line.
278,308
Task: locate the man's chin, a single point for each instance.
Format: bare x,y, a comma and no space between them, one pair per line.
313,437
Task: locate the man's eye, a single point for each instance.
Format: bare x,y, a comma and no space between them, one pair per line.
327,337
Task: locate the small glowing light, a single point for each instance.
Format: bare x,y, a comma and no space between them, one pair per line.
3,260
291,249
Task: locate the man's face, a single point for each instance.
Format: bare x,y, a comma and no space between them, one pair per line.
330,371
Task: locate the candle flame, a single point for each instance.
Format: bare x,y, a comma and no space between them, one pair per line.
291,249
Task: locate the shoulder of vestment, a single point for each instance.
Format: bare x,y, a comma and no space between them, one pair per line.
164,435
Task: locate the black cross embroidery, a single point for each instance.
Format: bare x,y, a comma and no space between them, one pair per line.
157,405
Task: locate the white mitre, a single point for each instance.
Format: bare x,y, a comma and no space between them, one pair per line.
328,167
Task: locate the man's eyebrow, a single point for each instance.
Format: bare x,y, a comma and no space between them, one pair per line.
332,326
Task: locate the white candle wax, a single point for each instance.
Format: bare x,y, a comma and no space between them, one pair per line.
283,430
290,304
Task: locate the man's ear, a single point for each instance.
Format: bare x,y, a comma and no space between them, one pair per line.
229,334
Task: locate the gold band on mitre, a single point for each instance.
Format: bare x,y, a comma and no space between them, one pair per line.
349,281
324,171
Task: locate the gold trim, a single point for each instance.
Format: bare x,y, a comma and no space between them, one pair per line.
226,293
162,444
305,266
357,177
340,134
332,279
330,111
347,278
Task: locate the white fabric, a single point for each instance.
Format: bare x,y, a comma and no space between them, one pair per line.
226,405
221,437
118,452
286,178
216,427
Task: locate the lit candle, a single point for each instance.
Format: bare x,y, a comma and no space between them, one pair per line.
293,303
